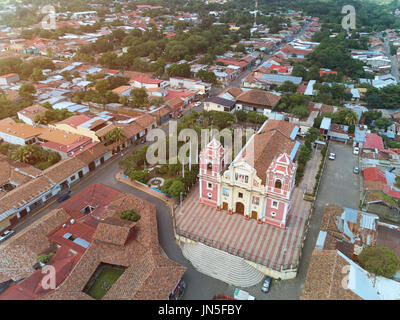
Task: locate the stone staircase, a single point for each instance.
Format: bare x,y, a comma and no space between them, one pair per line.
222,265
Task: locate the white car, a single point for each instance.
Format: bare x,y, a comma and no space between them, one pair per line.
197,104
332,156
6,235
356,150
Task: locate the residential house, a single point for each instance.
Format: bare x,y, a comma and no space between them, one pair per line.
219,104
29,114
19,133
257,100
190,84
8,79
176,104
84,125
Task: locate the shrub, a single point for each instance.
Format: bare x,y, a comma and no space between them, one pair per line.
176,188
379,260
44,258
130,215
323,151
139,175
166,185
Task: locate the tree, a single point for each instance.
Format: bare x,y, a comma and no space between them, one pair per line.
167,184
222,119
37,75
114,135
300,111
350,118
139,175
288,86
27,90
102,87
241,115
52,115
109,59
176,188
379,260
371,115
67,75
207,76
156,101
383,123
179,70
139,97
130,215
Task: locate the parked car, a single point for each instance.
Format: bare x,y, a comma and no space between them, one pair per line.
6,235
356,170
356,150
266,285
197,104
242,295
143,140
64,197
332,156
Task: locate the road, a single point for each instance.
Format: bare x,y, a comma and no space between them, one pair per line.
394,61
238,81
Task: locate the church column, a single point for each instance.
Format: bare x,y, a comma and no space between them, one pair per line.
248,209
200,192
230,208
261,213
218,197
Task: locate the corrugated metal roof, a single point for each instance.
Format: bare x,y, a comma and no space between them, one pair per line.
350,215
81,242
347,231
280,78
368,221
321,240
326,123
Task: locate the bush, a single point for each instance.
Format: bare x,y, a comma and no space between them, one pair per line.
379,260
130,215
176,188
44,258
139,175
323,151
166,185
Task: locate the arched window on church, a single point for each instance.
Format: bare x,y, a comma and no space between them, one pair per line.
209,166
278,184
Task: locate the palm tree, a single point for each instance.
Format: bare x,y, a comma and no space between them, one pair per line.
115,135
350,118
23,154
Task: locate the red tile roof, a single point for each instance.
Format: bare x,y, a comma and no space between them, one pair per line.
373,141
147,80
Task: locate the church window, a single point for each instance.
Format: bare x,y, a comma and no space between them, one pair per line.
278,184
273,214
240,195
275,204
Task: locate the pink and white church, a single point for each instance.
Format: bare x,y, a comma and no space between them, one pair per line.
259,182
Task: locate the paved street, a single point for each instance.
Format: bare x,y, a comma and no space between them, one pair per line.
339,184
394,62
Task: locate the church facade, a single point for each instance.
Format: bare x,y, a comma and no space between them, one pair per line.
258,184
